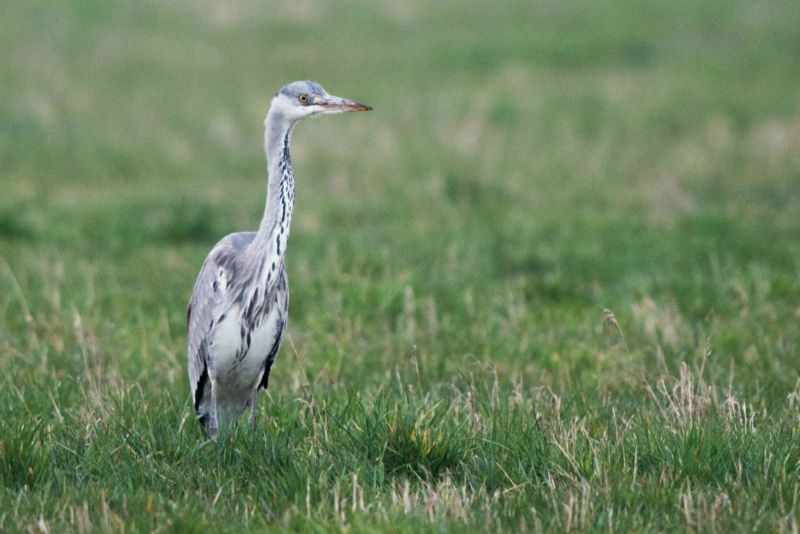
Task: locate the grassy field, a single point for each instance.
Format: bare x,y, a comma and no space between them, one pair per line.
552,282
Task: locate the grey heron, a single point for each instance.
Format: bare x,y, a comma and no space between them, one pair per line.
238,310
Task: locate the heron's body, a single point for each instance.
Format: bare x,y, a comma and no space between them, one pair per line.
239,305
244,327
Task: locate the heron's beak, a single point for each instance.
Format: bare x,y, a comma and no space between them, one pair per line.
335,103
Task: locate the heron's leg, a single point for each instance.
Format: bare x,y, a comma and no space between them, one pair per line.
252,418
212,424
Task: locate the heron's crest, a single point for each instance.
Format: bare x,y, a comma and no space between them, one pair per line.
308,87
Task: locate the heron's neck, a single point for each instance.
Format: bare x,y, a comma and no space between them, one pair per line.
273,233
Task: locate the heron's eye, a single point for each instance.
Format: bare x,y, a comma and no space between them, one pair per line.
303,99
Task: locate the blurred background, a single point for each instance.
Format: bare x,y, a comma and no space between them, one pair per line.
552,206
527,165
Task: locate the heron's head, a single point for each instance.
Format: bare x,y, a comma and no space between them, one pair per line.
306,98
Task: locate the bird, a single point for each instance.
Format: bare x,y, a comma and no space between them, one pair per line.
238,309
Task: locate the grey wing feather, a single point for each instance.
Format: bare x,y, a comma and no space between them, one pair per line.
282,301
208,299
198,317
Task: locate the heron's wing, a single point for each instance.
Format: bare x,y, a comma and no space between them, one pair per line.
282,301
209,299
199,316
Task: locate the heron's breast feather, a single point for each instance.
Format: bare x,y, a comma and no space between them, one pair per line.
234,364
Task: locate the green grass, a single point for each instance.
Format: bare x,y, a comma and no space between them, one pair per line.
552,282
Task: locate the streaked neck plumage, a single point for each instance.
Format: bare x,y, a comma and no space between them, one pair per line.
273,233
